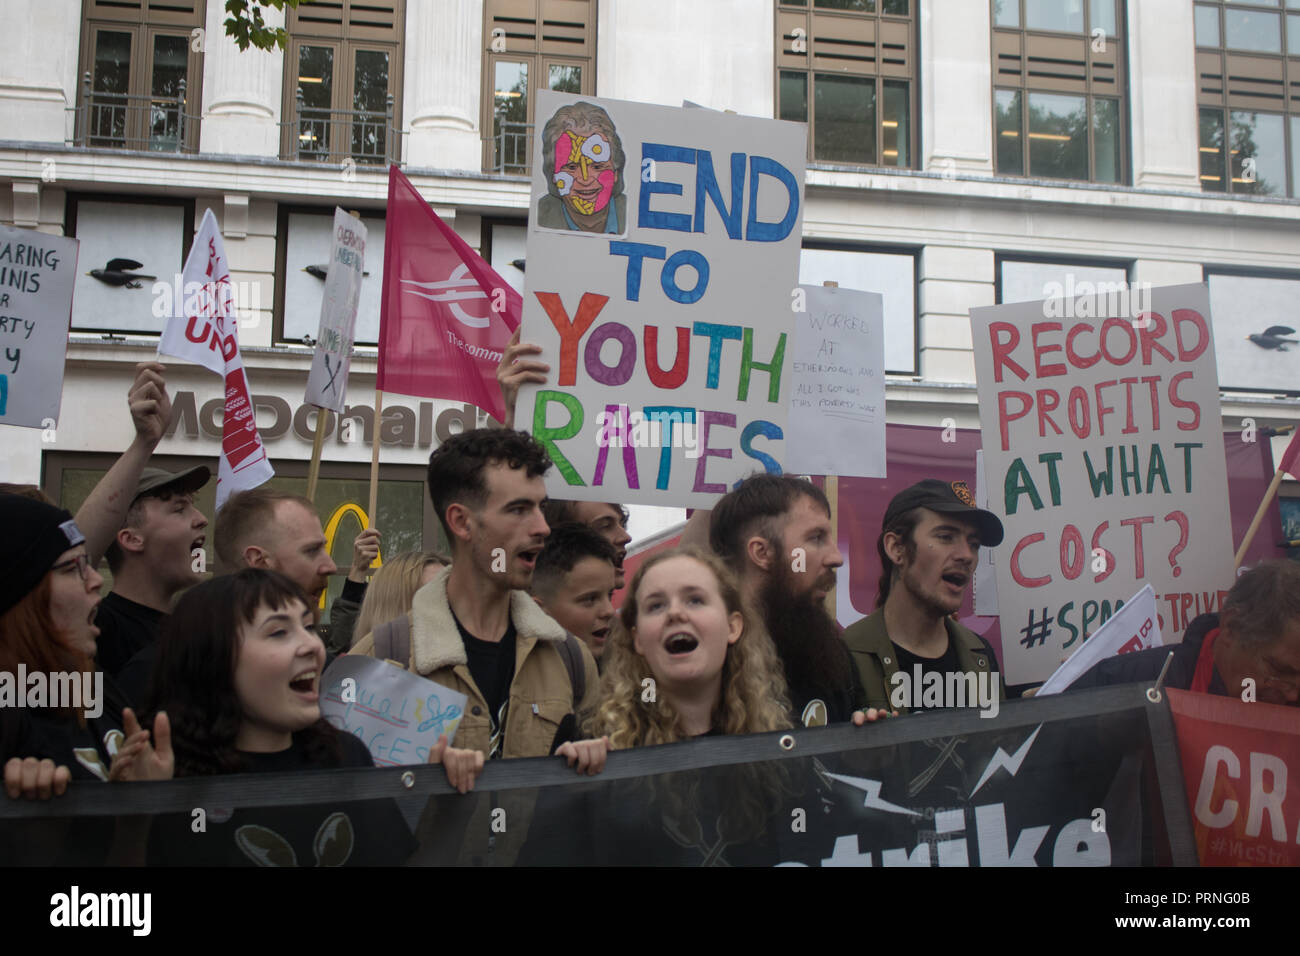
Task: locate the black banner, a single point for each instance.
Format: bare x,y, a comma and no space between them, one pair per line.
1088,779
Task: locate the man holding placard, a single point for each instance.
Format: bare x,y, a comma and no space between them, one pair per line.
910,653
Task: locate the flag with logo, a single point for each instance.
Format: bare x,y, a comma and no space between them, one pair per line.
203,329
446,316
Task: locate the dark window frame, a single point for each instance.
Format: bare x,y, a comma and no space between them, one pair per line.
1230,80
1036,53
282,214
143,24
539,53
186,204
888,249
785,10
347,38
1246,272
1039,258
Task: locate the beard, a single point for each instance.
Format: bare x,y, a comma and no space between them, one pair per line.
806,637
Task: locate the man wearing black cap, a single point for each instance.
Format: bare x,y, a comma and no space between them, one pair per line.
928,543
156,554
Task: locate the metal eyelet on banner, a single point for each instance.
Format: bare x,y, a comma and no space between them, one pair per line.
786,742
408,780
1154,695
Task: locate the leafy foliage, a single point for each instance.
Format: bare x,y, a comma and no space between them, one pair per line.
248,28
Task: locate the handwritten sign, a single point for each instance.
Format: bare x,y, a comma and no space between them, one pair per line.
1104,457
1134,627
663,255
838,383
36,279
328,380
396,714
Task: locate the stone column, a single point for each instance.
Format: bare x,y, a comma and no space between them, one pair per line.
954,279
241,91
442,82
1162,95
38,82
956,86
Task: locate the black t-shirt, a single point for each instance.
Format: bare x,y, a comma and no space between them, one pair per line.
125,628
358,833
907,661
492,665
87,751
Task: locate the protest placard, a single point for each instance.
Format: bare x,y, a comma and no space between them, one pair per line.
204,329
1104,457
1134,627
663,254
396,714
37,273
327,383
838,383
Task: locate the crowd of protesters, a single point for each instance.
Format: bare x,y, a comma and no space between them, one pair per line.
218,674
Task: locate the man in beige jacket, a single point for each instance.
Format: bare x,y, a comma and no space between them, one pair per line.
474,627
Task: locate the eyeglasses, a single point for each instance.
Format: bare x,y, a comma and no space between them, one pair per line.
80,562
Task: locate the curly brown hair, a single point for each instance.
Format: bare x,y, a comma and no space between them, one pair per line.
754,697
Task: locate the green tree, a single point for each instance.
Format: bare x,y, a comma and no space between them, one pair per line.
248,28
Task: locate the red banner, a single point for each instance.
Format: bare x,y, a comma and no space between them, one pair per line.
446,316
1241,764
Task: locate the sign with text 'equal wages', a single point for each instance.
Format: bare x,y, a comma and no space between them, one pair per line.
663,257
37,273
1104,457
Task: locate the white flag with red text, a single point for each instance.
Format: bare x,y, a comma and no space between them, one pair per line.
203,329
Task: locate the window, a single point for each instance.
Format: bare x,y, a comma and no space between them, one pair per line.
343,81
154,232
892,273
530,45
1248,92
1030,279
504,244
1253,316
1058,98
846,68
141,75
305,237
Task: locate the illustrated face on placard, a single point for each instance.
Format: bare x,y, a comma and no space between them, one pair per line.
584,159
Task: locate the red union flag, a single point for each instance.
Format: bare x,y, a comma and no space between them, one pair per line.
1290,462
203,329
446,316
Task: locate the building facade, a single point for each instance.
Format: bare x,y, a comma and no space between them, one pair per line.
961,153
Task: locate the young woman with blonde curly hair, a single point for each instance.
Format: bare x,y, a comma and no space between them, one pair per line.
714,667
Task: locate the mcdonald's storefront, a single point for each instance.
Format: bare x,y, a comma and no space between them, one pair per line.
94,427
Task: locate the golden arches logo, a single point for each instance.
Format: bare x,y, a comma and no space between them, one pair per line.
332,529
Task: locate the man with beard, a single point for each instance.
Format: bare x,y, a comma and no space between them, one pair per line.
928,543
775,531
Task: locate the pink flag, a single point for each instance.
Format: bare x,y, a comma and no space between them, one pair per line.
1290,462
446,316
203,329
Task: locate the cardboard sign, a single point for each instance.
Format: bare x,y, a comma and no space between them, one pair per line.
1135,627
396,714
1240,764
838,376
37,273
1104,458
328,381
663,255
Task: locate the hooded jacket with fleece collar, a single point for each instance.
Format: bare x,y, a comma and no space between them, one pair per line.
541,694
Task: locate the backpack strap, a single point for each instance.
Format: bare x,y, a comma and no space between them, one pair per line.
571,654
393,641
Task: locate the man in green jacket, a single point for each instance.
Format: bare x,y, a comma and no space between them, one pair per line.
911,654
